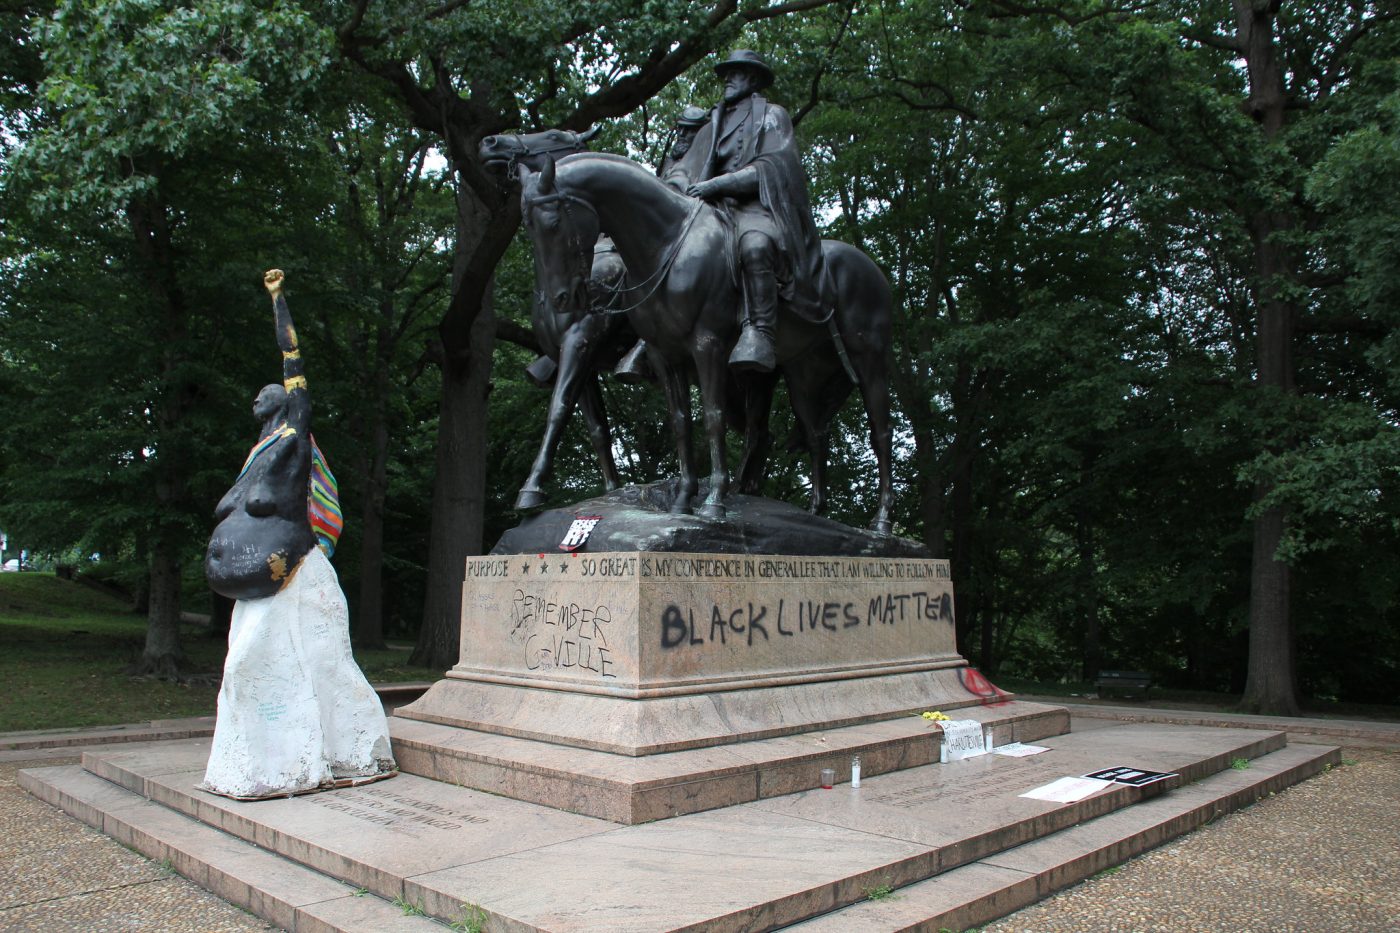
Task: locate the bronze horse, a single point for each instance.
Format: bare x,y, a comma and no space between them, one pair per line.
576,346
682,301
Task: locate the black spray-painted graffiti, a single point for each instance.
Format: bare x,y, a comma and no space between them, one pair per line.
745,623
561,635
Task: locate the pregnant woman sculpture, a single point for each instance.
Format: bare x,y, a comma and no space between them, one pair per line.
295,712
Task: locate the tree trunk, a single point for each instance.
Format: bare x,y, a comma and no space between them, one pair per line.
459,485
1271,683
369,619
162,655
149,220
459,494
1270,687
932,508
221,618
960,460
1091,660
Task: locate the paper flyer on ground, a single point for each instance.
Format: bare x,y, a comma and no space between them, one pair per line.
1133,777
1018,750
1067,789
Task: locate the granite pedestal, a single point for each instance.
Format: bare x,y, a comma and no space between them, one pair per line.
737,676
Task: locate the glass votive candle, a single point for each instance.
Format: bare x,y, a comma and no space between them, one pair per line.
828,778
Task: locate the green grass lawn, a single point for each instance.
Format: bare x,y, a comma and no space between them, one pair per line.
64,651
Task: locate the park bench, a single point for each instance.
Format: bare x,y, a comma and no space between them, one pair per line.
1126,684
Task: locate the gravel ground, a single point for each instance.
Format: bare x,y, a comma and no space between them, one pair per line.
58,874
1321,856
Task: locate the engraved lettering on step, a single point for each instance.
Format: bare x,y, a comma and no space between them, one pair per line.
386,808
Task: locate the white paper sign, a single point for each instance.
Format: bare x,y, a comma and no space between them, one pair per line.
1067,789
1019,750
962,738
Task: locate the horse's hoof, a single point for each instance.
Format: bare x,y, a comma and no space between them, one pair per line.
712,512
882,528
529,499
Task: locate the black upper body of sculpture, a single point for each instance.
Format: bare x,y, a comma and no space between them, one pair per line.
678,252
263,531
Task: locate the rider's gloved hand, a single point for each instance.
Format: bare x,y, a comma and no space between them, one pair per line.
706,190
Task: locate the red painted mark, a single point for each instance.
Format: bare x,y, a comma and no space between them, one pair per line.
976,683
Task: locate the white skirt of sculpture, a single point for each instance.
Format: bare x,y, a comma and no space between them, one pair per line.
295,711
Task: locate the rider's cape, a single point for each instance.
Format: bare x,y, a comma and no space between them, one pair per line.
772,150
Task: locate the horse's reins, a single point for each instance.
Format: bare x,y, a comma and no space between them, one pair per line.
662,269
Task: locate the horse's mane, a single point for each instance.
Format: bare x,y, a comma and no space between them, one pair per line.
643,176
602,157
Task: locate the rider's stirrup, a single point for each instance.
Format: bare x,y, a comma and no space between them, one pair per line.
754,352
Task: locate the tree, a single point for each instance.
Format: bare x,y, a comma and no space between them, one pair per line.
134,95
394,215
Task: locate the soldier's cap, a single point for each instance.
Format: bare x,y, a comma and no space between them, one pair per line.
692,116
747,59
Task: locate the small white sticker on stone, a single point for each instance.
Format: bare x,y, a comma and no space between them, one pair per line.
577,535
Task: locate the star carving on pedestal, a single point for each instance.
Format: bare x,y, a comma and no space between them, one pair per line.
544,567
524,568
564,566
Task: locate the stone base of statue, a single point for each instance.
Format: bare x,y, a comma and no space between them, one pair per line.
295,712
713,665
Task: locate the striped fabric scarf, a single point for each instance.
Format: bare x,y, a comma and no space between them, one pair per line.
323,502
322,494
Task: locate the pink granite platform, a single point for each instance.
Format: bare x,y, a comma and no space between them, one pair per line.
627,789
957,839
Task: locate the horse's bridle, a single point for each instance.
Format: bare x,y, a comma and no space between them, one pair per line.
582,251
568,148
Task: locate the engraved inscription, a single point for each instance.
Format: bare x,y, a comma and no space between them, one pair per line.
384,807
789,568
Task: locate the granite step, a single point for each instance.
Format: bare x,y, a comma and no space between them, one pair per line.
756,866
639,789
992,887
264,883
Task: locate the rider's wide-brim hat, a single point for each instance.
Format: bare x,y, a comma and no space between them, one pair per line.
746,59
693,116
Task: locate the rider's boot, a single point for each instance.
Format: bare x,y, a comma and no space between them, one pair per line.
755,351
542,371
634,368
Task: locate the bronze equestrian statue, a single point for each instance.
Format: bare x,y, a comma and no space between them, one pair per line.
755,180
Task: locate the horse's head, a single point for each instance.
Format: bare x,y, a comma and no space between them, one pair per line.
506,153
563,228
